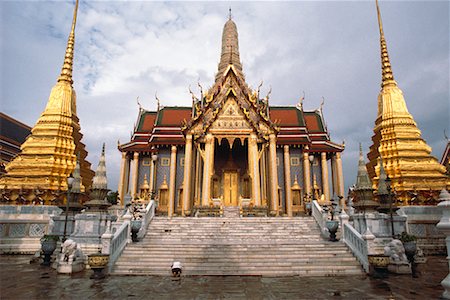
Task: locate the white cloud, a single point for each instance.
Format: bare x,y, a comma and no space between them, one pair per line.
129,49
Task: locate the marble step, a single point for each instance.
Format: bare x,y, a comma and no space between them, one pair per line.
332,271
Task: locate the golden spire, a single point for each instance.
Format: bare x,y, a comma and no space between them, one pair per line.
230,48
48,154
407,158
387,75
66,72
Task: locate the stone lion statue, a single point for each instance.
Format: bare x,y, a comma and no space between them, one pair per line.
70,251
395,251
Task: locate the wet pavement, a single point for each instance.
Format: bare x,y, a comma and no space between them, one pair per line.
21,280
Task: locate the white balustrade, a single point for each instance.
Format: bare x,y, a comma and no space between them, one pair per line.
114,242
320,215
357,244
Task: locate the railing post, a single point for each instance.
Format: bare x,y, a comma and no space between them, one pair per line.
343,219
127,219
106,239
369,238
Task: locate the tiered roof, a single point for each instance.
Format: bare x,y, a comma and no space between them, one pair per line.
296,127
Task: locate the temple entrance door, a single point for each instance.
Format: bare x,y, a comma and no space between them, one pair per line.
230,188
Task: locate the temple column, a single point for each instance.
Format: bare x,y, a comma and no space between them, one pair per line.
340,178
153,157
173,171
263,172
325,184
198,164
287,180
208,169
307,174
187,175
135,174
124,165
334,174
254,169
273,174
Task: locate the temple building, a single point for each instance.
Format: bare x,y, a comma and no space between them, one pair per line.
12,134
406,157
49,154
231,148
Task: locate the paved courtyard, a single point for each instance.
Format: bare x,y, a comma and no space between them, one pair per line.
21,280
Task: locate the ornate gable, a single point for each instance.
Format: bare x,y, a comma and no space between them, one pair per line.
230,107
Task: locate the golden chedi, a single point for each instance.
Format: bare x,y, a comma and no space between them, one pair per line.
39,173
406,156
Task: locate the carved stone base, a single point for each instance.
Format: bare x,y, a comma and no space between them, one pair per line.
399,268
69,268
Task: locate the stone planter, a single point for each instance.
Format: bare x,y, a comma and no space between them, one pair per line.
135,227
48,246
98,262
332,227
378,261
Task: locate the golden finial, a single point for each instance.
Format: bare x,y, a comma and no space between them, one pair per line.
387,75
66,72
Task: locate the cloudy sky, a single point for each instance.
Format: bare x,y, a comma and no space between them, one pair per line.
126,49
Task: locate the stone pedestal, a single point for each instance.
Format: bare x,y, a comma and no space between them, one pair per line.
379,224
399,268
89,227
66,267
444,226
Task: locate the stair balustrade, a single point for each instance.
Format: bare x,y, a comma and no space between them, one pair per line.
357,243
114,242
321,216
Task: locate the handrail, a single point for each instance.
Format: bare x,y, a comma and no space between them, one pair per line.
147,215
320,216
357,244
113,243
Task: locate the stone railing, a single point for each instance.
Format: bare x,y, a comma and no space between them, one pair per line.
320,215
147,215
114,243
118,235
22,226
357,244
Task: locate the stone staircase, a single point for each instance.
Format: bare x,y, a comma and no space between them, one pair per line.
280,246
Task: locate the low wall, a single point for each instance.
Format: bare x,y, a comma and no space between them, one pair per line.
421,222
22,226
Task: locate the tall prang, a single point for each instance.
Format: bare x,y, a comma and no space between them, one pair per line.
406,157
48,155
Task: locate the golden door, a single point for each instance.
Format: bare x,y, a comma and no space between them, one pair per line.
230,188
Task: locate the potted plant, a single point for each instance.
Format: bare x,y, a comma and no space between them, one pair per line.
332,225
48,246
409,242
136,222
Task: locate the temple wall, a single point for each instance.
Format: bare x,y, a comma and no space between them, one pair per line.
144,169
162,166
297,168
180,174
280,172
